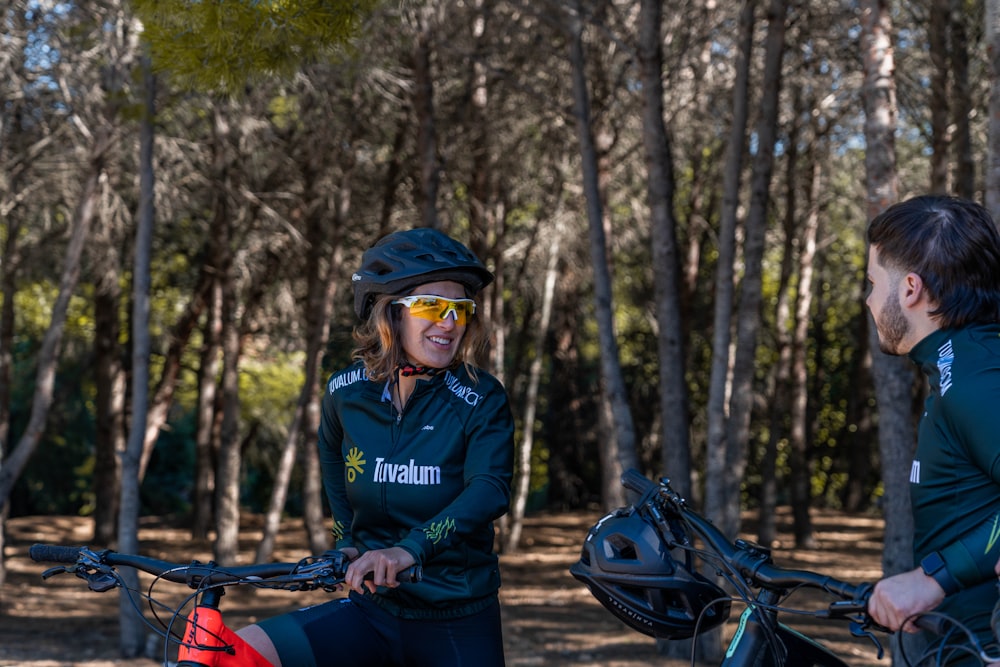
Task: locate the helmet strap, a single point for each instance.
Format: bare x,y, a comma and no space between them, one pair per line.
408,370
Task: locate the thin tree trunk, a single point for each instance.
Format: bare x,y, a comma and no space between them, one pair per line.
781,373
131,627
676,455
312,485
992,178
798,412
423,103
964,182
522,472
619,450
159,406
48,355
717,409
205,440
748,308
227,473
937,37
109,408
322,290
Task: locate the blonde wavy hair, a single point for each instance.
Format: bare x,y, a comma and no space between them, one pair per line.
380,349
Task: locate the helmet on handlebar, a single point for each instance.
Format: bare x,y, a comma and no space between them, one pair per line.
627,566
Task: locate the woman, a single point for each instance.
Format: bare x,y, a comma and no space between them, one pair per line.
416,446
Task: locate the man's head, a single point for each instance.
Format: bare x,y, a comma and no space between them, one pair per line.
934,263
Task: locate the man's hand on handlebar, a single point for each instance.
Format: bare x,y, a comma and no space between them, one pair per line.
382,564
899,598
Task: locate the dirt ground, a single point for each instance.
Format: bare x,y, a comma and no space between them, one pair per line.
549,618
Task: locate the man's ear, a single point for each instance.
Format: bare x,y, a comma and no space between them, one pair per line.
912,290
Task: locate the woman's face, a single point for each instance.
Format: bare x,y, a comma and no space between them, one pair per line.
433,343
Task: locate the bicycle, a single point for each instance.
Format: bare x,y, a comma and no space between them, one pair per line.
638,561
202,637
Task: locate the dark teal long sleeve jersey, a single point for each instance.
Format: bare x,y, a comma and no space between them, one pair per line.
430,480
955,474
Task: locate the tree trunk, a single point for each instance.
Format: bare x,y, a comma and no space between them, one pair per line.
676,456
522,471
109,408
321,262
319,323
717,409
206,423
131,626
619,450
423,104
799,413
992,178
937,37
227,473
229,460
749,304
48,355
894,376
964,181
781,373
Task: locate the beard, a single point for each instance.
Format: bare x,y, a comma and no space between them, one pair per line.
892,326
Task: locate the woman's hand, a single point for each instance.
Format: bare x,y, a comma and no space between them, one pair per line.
382,564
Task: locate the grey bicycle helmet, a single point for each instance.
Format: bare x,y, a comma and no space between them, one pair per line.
629,569
402,260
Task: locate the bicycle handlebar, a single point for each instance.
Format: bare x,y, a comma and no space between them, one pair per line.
749,561
325,570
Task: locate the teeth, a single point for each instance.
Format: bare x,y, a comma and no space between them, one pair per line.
439,341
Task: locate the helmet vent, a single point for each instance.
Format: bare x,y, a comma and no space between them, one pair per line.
620,548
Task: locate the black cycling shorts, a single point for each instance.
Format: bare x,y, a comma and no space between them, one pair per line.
355,632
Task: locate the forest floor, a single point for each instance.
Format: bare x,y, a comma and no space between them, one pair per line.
549,618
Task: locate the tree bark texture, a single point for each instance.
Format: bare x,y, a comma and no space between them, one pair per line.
749,304
893,375
717,409
660,184
992,178
619,448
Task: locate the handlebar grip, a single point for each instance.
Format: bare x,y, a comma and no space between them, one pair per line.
411,575
634,480
934,623
53,553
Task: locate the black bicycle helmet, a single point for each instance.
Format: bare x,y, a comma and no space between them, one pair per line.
400,261
629,569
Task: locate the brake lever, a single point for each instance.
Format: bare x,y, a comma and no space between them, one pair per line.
860,629
53,571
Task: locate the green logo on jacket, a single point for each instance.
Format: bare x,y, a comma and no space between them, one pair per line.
439,530
354,464
994,534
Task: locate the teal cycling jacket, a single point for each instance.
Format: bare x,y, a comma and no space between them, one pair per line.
955,473
430,480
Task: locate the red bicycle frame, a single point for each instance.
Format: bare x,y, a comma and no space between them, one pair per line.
209,642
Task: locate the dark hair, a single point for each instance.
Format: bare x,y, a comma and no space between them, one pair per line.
953,245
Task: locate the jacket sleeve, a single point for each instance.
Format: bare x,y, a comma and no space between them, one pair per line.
972,558
331,459
488,470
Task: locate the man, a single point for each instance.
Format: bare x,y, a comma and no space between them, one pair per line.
934,274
